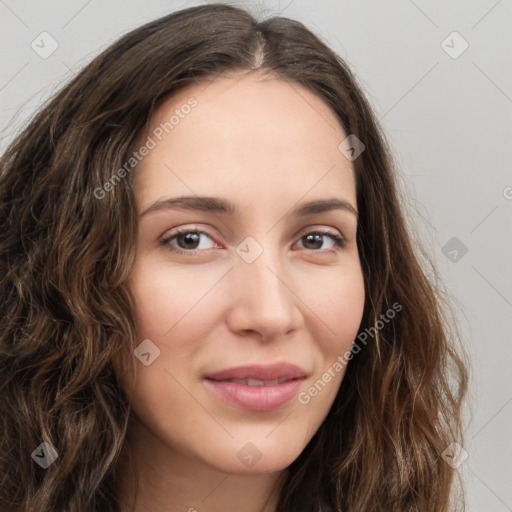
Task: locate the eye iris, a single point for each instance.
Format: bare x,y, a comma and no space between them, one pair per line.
317,240
189,238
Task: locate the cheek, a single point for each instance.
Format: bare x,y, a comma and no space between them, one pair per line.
339,310
175,309
346,310
337,303
167,297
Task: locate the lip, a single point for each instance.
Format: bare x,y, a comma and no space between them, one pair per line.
257,398
260,372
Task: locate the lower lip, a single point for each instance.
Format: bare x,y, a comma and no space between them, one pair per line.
255,398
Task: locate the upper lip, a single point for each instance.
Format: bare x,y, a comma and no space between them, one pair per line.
260,372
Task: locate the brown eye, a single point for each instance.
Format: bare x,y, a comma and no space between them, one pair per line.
185,240
314,240
188,240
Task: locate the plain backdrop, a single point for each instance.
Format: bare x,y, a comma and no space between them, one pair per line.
439,76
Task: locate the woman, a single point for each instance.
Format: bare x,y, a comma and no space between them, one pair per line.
210,297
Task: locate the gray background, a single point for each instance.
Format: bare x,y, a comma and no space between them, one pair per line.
448,120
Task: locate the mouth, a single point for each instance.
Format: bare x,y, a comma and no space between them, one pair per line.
255,387
256,382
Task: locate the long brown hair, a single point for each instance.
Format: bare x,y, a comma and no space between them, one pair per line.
66,310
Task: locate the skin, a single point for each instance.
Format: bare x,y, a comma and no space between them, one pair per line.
267,147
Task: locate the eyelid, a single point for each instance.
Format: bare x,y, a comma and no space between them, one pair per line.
319,227
324,229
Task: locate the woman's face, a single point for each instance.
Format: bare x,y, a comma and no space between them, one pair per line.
244,283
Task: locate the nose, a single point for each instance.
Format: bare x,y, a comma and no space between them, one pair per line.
262,297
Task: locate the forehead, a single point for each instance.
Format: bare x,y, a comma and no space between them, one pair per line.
253,134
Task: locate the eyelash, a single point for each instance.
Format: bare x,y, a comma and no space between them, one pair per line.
339,241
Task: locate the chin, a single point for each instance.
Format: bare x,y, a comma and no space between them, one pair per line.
255,455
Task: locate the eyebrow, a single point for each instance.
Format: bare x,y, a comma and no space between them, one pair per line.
220,205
